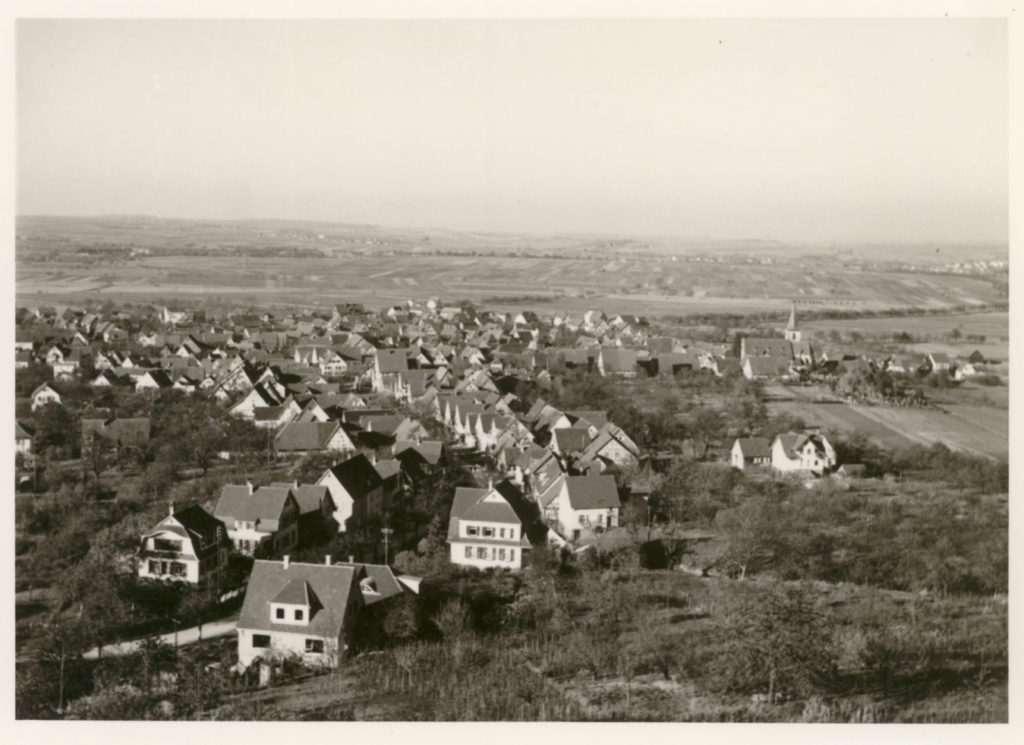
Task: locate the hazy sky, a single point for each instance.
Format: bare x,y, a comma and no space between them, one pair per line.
793,130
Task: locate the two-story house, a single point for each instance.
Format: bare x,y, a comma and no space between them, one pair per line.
189,545
356,488
293,609
262,522
581,505
795,452
485,531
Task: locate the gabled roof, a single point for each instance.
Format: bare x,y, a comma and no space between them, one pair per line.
264,505
308,496
473,504
387,468
357,475
379,577
755,447
334,587
306,435
571,439
592,492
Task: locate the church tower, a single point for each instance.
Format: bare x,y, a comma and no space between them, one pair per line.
792,332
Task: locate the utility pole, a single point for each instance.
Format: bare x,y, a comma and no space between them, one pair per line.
387,532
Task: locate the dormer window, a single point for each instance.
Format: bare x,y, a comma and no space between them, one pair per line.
295,604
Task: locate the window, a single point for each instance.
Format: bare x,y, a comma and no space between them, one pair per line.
501,533
470,530
260,641
481,552
177,569
511,532
279,613
298,614
154,567
511,554
488,532
314,646
501,554
163,544
469,553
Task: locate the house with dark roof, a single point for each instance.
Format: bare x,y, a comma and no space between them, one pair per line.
750,451
189,545
356,488
484,530
303,611
261,522
316,511
581,505
23,435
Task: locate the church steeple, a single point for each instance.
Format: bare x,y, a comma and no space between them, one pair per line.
792,332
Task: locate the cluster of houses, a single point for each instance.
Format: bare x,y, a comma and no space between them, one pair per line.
345,385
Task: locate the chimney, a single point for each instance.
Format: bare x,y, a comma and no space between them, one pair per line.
170,507
327,560
249,484
490,484
351,559
286,561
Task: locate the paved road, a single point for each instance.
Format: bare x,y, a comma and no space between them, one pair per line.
185,637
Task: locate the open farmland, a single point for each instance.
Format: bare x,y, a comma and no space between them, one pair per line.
994,326
964,426
648,285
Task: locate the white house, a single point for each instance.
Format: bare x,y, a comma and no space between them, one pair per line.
188,545
581,505
44,395
264,521
811,452
484,531
356,488
750,451
303,611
